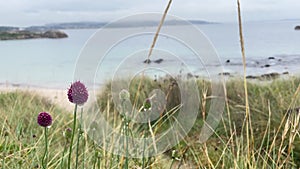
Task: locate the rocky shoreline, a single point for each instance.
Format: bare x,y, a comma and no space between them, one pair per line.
261,68
24,34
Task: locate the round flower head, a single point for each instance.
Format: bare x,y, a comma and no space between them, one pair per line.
94,126
44,119
78,93
124,95
67,133
147,104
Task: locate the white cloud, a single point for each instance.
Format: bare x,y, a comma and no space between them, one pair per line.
28,12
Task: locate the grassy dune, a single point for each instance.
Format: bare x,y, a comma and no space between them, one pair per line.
273,139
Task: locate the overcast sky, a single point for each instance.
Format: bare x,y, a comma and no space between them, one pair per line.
37,12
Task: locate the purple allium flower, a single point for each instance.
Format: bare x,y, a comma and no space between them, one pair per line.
78,93
44,119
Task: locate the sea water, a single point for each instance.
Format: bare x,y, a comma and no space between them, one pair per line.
271,46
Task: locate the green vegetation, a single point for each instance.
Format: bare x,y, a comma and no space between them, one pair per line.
23,34
274,123
274,128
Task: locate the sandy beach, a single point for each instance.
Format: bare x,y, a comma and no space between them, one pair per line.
56,96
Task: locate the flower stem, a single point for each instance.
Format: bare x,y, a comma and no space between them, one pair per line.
95,152
78,139
99,162
83,154
63,155
72,138
4,149
144,147
126,135
172,164
95,159
44,160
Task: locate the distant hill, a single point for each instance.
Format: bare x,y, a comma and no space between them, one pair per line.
50,30
294,19
96,25
71,25
8,28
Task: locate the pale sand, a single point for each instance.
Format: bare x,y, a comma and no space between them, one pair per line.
56,96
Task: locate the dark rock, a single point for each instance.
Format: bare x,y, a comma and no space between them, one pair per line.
15,85
270,75
251,77
148,61
285,73
54,34
228,61
225,73
270,58
190,75
158,61
266,65
297,27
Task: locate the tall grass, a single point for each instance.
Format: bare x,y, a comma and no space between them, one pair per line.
275,123
274,107
249,130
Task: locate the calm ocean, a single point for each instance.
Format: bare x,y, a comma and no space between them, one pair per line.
51,62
